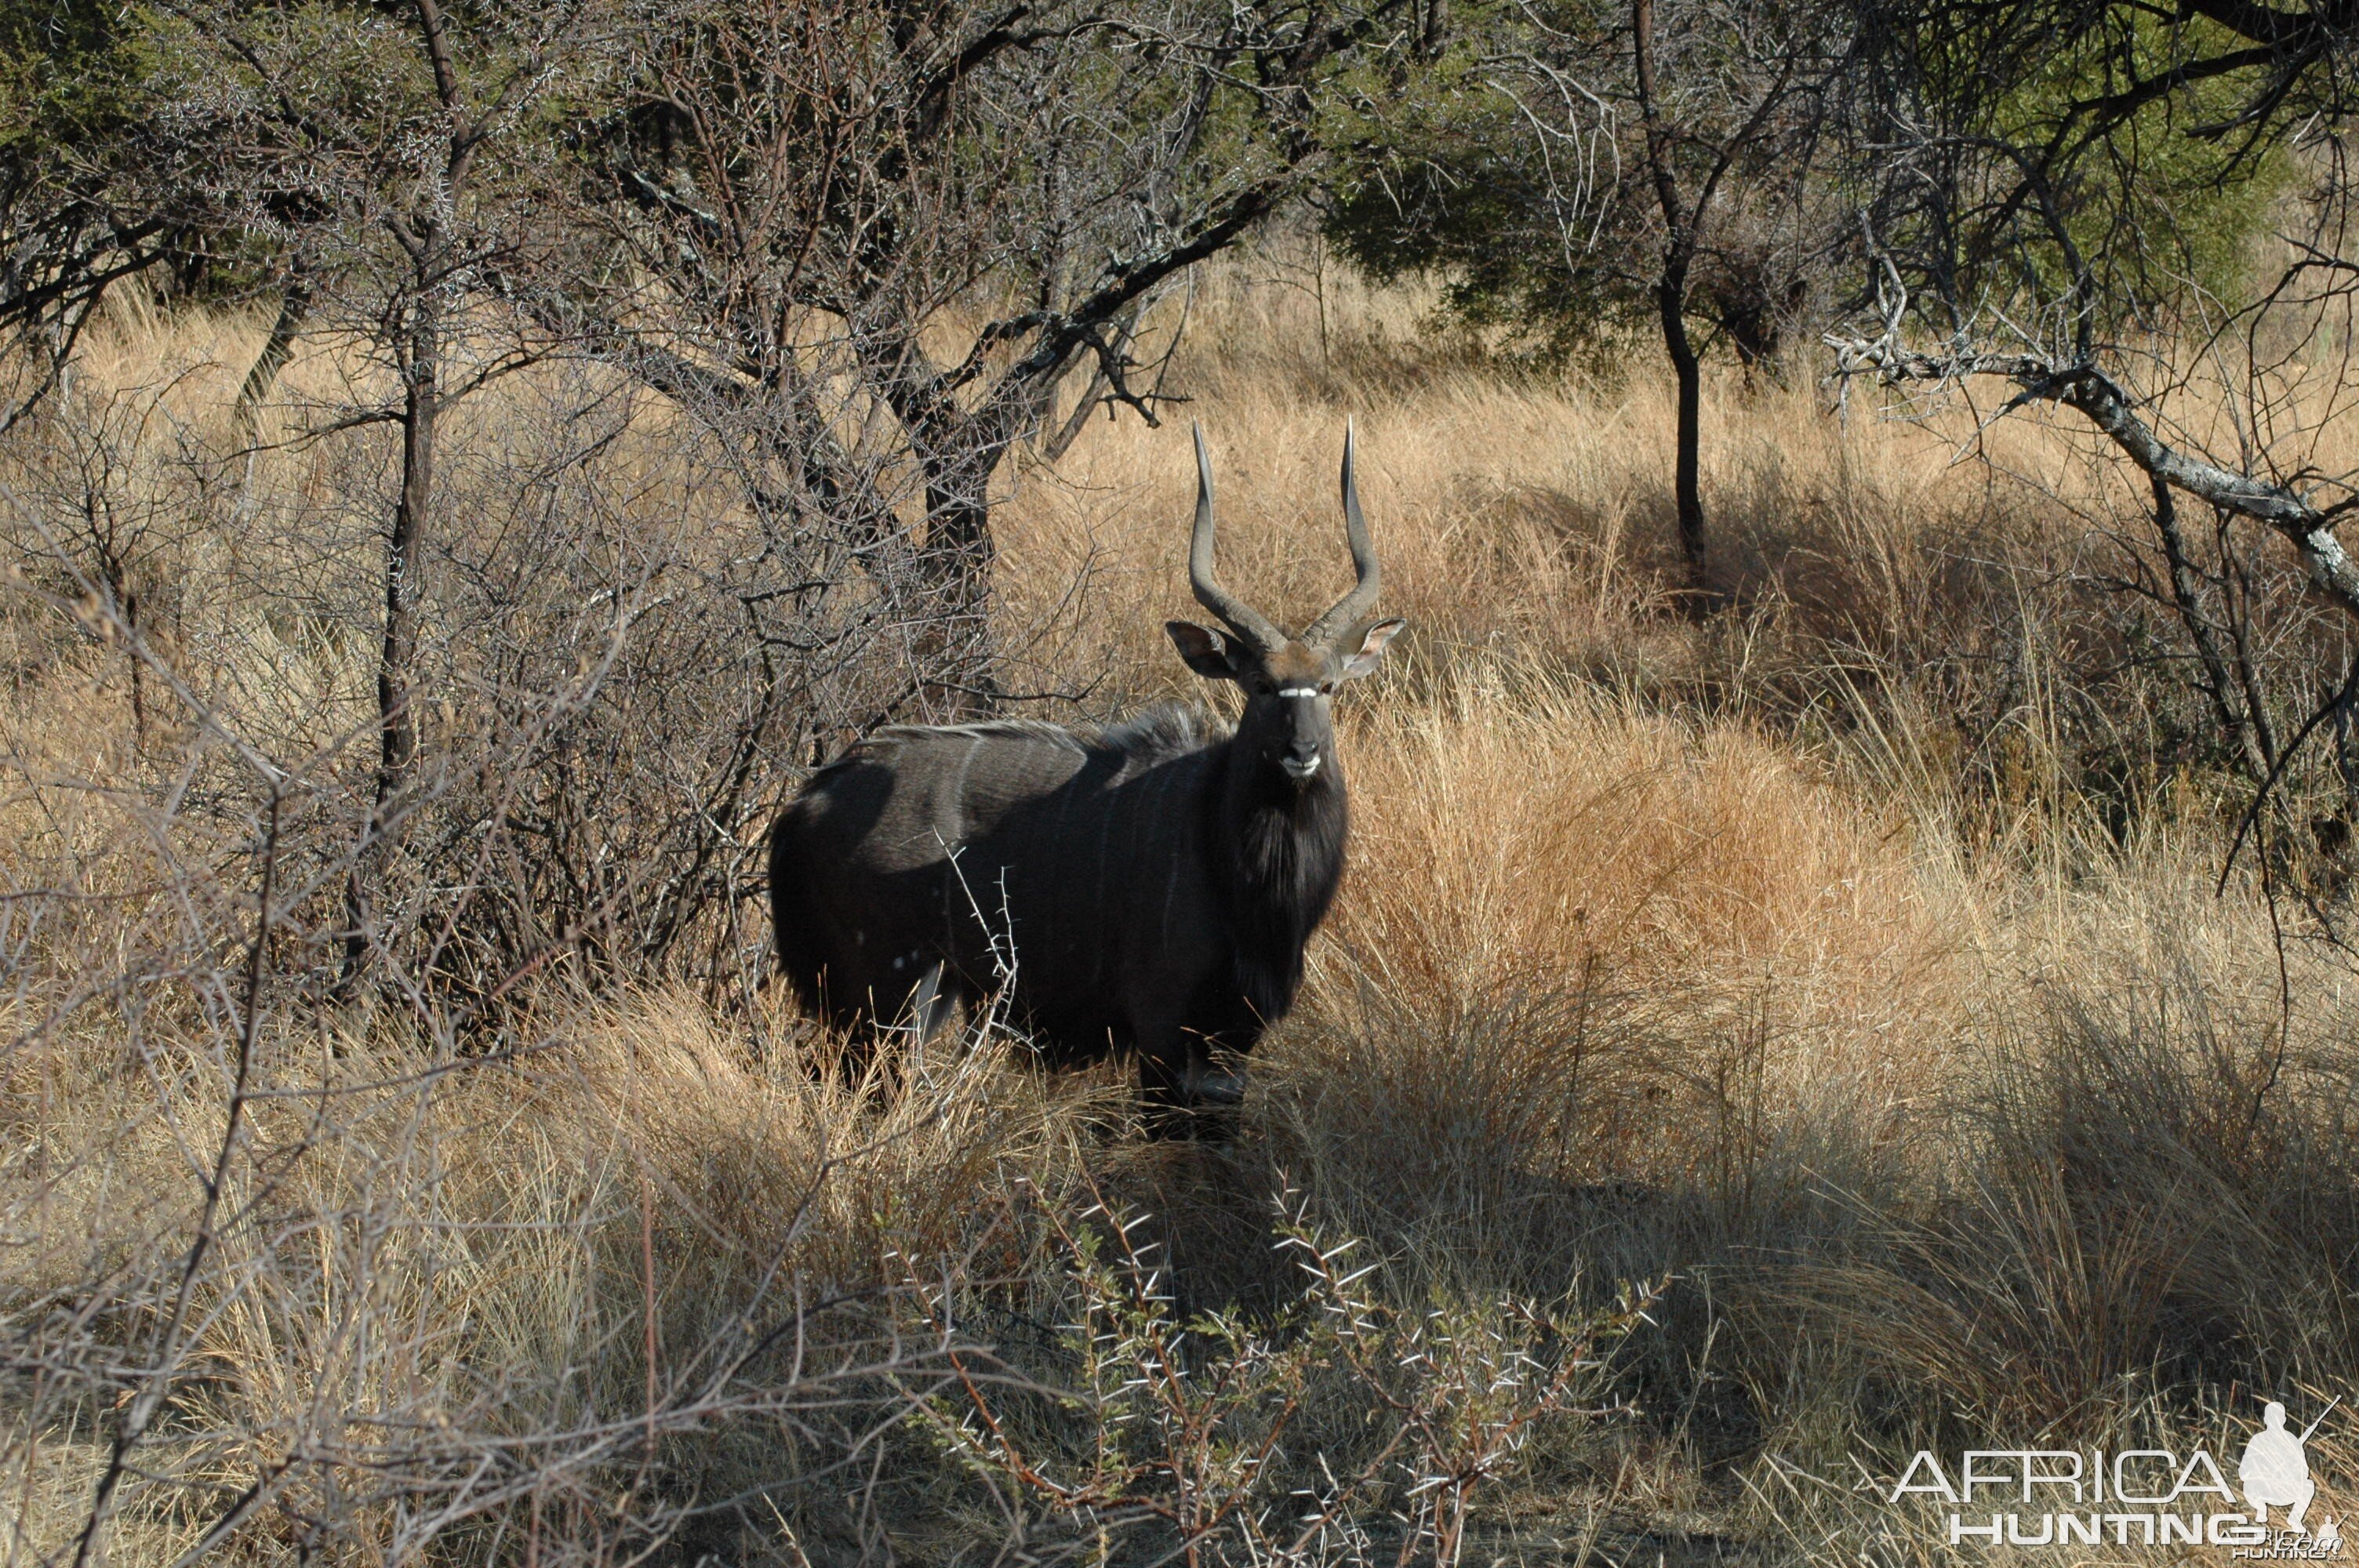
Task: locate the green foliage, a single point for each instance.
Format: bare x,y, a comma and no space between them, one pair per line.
70,78
1441,173
72,67
2157,201
1529,204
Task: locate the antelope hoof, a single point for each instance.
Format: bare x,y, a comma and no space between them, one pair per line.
1210,1108
1218,1090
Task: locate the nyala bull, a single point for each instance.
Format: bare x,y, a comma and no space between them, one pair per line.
1146,888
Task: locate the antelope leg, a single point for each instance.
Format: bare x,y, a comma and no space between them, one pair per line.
1187,1092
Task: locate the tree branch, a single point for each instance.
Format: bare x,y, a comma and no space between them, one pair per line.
2100,399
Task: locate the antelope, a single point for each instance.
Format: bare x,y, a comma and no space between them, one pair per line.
1146,888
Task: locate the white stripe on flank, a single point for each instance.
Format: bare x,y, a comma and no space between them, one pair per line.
954,830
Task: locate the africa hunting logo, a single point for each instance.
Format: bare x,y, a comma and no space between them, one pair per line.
2140,1497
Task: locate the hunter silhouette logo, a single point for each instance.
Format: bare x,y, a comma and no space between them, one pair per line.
2275,1473
2138,1497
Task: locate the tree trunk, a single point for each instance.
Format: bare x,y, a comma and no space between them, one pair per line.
959,555
1679,225
276,350
422,408
396,721
1671,301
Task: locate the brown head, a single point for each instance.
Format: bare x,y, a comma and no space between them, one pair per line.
1289,682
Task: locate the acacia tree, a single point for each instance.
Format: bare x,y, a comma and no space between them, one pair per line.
90,194
2019,158
1573,170
363,142
1735,78
2074,198
874,240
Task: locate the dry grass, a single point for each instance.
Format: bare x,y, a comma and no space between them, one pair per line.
1793,956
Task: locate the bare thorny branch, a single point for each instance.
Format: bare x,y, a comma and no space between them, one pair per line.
1186,1425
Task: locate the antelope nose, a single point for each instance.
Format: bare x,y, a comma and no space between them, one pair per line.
1301,761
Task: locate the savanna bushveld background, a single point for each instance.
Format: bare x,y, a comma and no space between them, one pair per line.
1845,950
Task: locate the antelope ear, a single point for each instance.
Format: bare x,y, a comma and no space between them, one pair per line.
1372,647
1207,652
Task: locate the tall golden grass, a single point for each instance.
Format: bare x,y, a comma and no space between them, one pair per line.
1787,956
